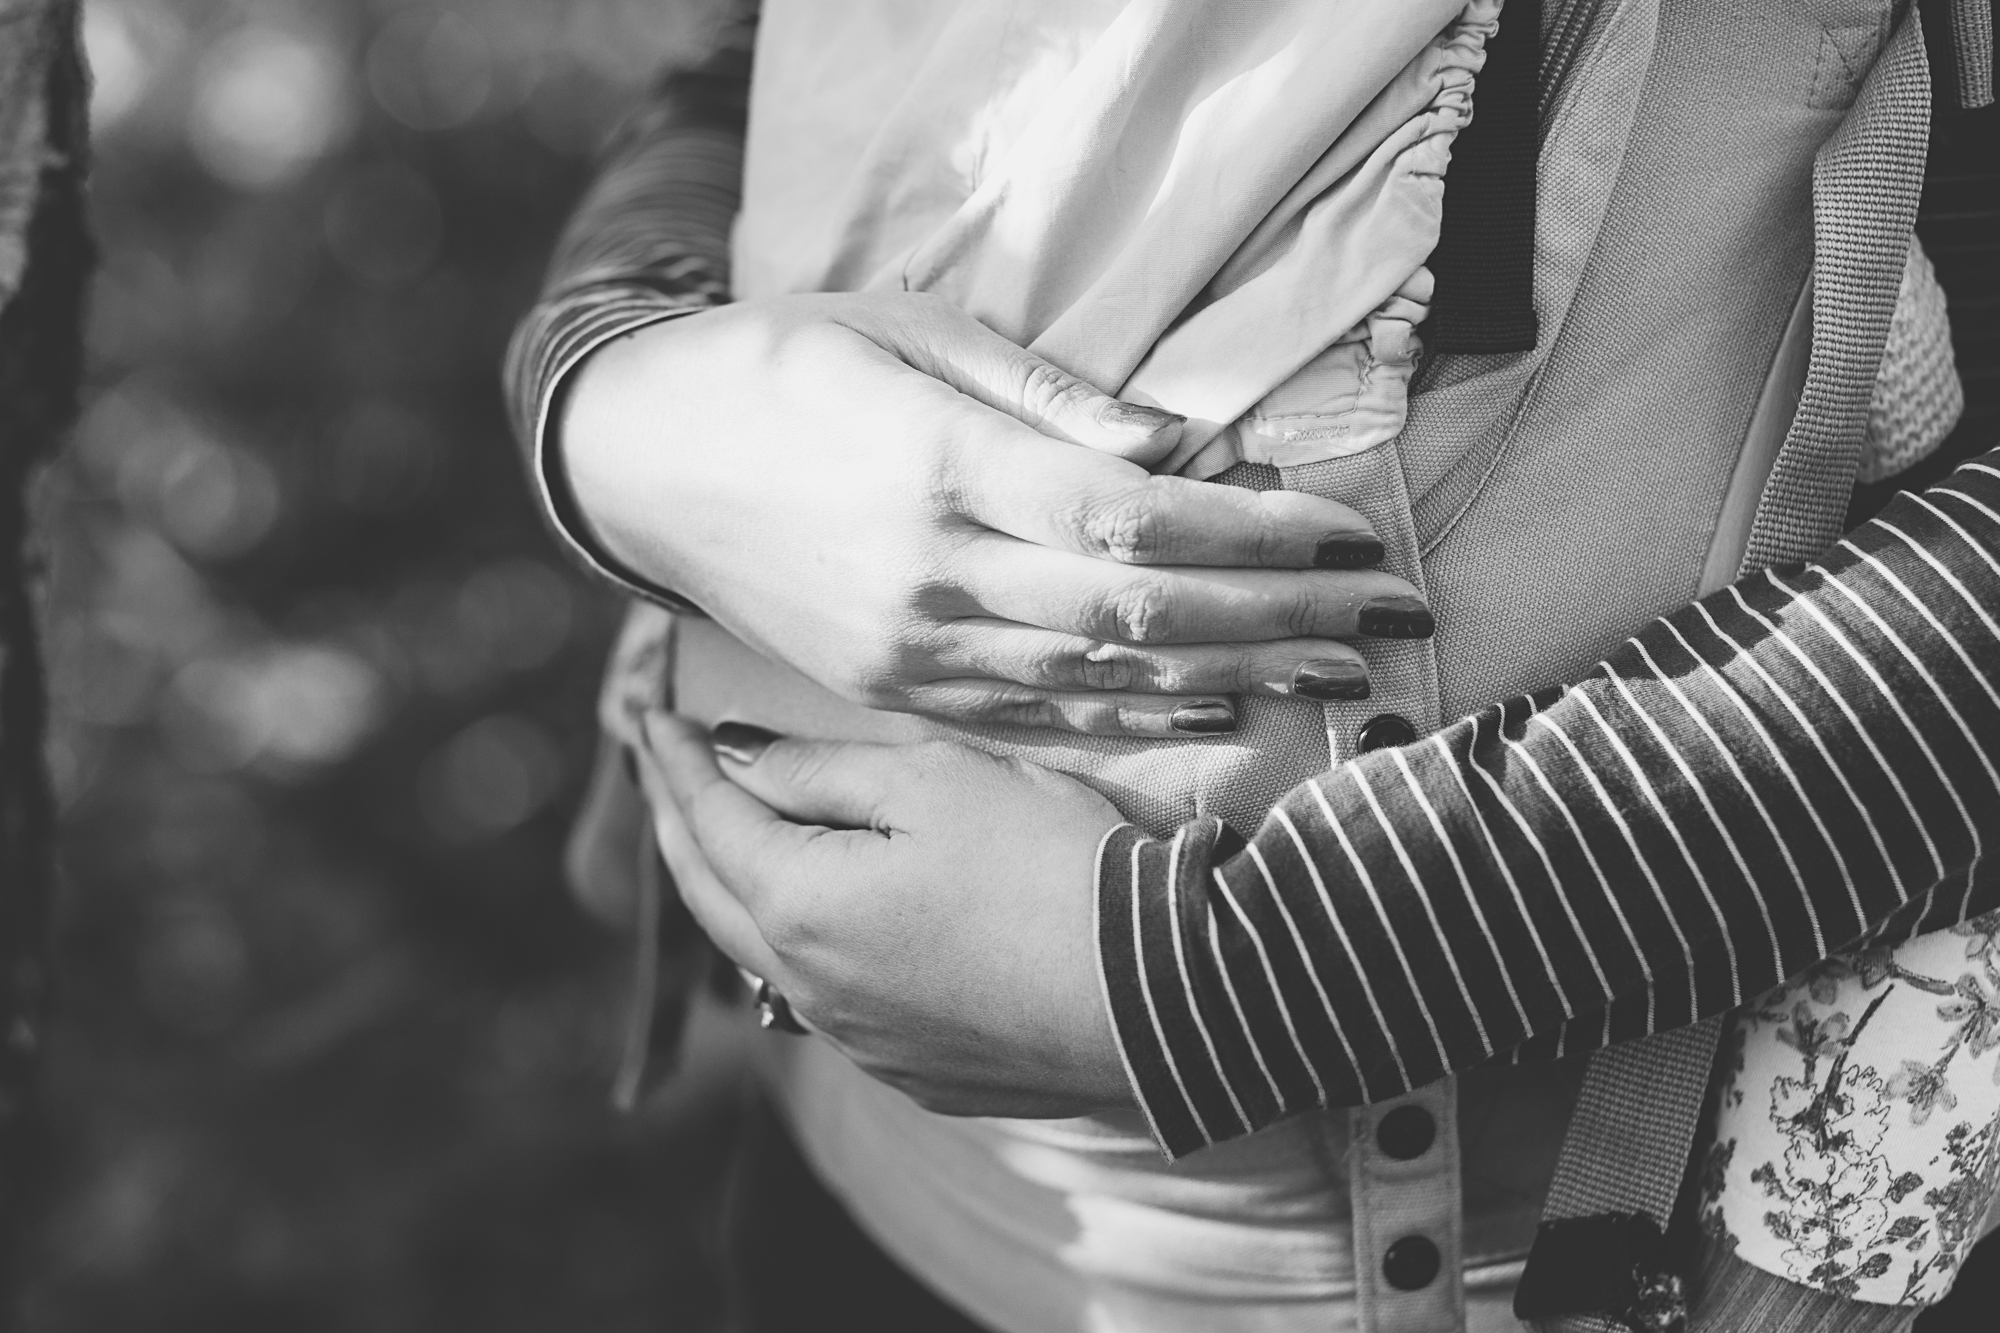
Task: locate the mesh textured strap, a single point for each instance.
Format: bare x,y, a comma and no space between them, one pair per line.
1972,48
1628,1142
1866,183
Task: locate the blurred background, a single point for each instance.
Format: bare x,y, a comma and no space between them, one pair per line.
334,1043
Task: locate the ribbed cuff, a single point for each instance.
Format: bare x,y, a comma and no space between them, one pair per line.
1190,988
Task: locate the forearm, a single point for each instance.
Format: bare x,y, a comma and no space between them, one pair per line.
649,241
1751,784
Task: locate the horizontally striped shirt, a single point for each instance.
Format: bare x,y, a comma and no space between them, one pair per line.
1780,771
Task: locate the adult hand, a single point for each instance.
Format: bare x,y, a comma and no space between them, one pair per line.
926,908
884,494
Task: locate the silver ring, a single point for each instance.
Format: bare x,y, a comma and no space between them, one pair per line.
774,1011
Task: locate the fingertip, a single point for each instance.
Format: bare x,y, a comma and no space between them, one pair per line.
1203,717
741,743
679,750
1326,679
1148,433
1348,550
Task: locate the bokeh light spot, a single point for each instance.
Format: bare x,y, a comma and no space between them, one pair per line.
491,777
218,501
290,706
430,70
127,45
193,967
269,102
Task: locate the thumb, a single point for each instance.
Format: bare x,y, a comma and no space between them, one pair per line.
933,336
837,784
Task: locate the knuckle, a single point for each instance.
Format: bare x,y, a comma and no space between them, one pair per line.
1143,610
1046,389
1021,705
1126,527
1103,666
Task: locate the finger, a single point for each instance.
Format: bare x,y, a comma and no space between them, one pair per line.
1018,581
845,785
1097,713
999,650
1098,506
942,341
598,860
718,910
756,853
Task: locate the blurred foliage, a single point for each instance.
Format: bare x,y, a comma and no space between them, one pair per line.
334,1042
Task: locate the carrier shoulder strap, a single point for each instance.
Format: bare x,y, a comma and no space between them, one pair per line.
1627,1147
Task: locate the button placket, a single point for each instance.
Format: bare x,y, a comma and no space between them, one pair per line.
1404,1163
1403,1154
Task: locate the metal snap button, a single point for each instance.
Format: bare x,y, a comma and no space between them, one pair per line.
1411,1263
1406,1132
1384,730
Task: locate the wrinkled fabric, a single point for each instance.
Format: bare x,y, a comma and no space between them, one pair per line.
1182,203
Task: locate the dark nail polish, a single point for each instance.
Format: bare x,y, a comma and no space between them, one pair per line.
1396,618
1203,719
740,742
1331,679
1348,550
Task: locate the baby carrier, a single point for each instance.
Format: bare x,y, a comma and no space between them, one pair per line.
1650,372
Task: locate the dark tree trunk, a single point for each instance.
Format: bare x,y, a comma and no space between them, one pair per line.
40,366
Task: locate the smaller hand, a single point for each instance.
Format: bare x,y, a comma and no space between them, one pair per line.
926,908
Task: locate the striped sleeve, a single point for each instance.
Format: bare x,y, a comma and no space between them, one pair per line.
1798,764
649,241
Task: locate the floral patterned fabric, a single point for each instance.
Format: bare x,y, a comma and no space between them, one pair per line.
1858,1131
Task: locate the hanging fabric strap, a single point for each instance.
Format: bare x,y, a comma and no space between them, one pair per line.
1960,36
1599,1261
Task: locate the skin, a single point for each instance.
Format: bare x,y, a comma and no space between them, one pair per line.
926,908
921,516
882,493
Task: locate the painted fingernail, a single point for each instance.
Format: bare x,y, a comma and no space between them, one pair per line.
740,742
1139,417
1331,679
1348,550
1203,719
1396,618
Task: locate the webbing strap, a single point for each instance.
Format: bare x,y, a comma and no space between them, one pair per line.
1866,183
1628,1142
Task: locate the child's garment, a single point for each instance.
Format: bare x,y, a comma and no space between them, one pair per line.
1859,1128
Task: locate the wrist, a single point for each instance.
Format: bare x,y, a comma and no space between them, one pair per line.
605,457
